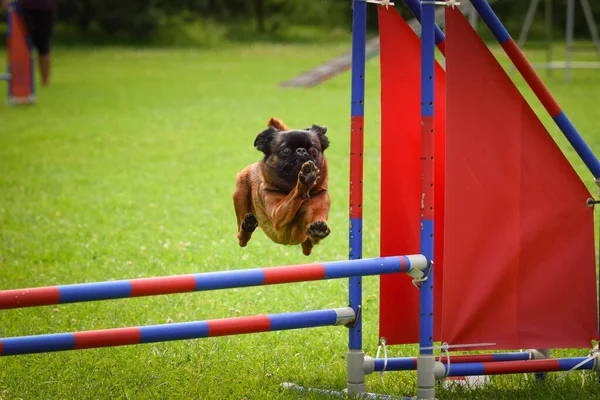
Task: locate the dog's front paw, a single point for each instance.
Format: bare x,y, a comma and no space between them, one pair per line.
318,230
309,173
249,223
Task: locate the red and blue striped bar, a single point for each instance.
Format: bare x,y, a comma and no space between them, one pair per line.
514,367
357,112
410,363
178,331
18,298
427,175
538,87
440,39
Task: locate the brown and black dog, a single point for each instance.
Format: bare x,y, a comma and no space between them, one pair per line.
285,194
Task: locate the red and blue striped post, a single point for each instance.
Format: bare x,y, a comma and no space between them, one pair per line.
538,87
18,298
178,331
355,355
425,377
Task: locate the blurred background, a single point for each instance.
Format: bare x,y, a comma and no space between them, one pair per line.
209,23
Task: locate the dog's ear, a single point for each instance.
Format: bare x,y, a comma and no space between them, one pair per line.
321,131
264,139
277,124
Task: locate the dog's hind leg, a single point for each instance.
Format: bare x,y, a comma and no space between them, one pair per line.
242,202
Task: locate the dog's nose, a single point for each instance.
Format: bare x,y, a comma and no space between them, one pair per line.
301,151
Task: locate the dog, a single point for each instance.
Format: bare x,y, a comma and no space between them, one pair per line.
285,194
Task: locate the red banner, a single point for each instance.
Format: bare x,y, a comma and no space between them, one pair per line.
400,58
519,256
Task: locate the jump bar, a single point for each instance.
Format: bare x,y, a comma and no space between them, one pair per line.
512,367
178,331
31,297
410,363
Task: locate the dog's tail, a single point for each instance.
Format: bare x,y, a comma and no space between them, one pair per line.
277,124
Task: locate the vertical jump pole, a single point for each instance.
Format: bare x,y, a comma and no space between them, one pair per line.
415,8
355,356
426,361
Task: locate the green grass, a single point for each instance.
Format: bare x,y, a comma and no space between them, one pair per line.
125,168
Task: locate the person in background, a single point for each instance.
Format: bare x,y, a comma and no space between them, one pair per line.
39,17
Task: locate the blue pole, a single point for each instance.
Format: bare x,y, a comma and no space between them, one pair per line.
415,8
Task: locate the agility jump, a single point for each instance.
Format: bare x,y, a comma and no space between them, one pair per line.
462,152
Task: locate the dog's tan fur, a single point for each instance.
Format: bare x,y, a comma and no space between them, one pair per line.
289,213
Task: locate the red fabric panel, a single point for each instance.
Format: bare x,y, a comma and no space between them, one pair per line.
19,59
18,298
107,338
296,273
401,174
519,257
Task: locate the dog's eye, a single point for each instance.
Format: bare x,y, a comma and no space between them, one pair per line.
285,152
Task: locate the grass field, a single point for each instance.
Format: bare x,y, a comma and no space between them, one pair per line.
125,168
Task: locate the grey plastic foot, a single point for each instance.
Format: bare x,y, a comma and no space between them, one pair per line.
426,377
355,372
540,354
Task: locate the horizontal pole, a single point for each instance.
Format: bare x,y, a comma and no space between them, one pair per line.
31,297
178,331
410,363
537,86
5,77
512,367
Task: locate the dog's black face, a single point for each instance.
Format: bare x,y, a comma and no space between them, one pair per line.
286,151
